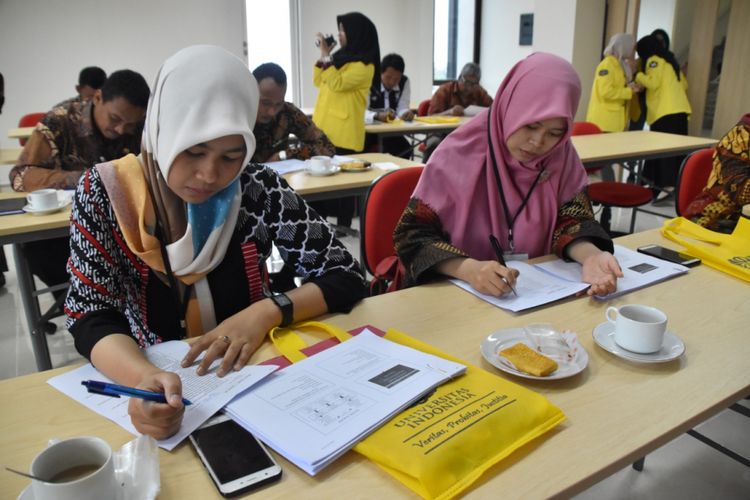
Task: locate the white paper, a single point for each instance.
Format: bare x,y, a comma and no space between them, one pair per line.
386,165
208,393
286,166
533,286
473,110
639,270
315,410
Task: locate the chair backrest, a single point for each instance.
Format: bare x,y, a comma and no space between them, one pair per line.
29,120
694,173
423,107
585,128
386,199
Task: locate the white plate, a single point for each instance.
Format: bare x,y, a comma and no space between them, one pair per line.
567,366
325,173
671,348
46,211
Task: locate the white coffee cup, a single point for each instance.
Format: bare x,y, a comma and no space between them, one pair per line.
43,199
638,328
320,164
86,462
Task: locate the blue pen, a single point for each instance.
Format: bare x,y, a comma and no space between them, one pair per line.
115,391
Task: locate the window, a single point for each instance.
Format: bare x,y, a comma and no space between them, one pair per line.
456,37
269,37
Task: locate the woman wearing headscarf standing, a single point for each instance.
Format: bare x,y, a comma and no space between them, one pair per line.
173,243
344,79
511,173
613,86
667,107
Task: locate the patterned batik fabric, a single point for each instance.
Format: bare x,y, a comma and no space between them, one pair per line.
447,96
422,243
273,137
113,291
64,144
718,207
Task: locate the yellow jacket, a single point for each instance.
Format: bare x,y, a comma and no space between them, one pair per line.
665,95
341,103
610,97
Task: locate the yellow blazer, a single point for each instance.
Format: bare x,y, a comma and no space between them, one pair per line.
665,95
342,99
610,97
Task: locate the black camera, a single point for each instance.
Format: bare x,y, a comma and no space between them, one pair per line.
330,41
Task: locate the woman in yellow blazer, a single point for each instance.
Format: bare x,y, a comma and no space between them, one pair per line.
613,87
344,80
667,106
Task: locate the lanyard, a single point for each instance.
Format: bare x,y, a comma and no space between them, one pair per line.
510,220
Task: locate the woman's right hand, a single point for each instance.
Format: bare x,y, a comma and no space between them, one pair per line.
158,420
487,276
325,50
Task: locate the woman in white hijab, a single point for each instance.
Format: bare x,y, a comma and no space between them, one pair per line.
173,243
613,85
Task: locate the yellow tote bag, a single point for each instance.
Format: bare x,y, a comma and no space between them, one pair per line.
729,253
444,443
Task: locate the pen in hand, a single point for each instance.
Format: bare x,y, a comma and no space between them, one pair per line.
115,391
499,254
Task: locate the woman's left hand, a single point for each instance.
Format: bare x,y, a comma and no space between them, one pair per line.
235,339
601,271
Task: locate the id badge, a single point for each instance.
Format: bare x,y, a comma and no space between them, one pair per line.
516,256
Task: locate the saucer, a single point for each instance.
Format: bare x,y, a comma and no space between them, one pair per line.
323,173
671,348
46,211
567,366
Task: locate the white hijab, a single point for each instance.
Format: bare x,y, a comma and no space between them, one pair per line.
201,93
621,46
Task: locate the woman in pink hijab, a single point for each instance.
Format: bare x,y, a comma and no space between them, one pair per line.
511,174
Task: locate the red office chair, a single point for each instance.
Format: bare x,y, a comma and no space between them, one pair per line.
610,194
29,120
694,173
423,108
386,199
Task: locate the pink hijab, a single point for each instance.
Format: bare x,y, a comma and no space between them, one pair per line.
459,183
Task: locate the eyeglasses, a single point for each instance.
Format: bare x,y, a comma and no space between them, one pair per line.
469,83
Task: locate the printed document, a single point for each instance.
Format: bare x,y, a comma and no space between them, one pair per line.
315,410
208,393
546,282
282,167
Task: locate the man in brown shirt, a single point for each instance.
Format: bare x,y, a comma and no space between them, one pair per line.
67,141
452,98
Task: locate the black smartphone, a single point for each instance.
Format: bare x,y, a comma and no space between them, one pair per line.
669,255
235,460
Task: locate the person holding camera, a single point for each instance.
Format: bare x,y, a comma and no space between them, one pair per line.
344,79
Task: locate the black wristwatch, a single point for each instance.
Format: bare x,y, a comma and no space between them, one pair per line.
286,306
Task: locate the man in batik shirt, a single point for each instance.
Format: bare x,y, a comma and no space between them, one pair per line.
277,119
71,139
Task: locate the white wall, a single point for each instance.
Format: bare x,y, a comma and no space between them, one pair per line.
44,44
571,29
404,27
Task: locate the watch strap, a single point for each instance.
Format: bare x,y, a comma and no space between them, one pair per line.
286,306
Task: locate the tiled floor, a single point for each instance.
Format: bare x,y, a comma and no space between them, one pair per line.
684,468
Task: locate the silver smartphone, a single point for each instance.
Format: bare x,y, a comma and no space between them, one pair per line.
235,460
669,255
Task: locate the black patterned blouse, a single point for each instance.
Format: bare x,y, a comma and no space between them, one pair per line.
113,291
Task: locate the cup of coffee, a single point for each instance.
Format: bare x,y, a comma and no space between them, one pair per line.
320,164
638,328
43,199
75,469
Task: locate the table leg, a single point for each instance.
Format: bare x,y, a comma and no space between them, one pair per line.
31,309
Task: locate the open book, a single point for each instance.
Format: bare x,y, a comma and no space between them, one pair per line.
315,410
546,282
